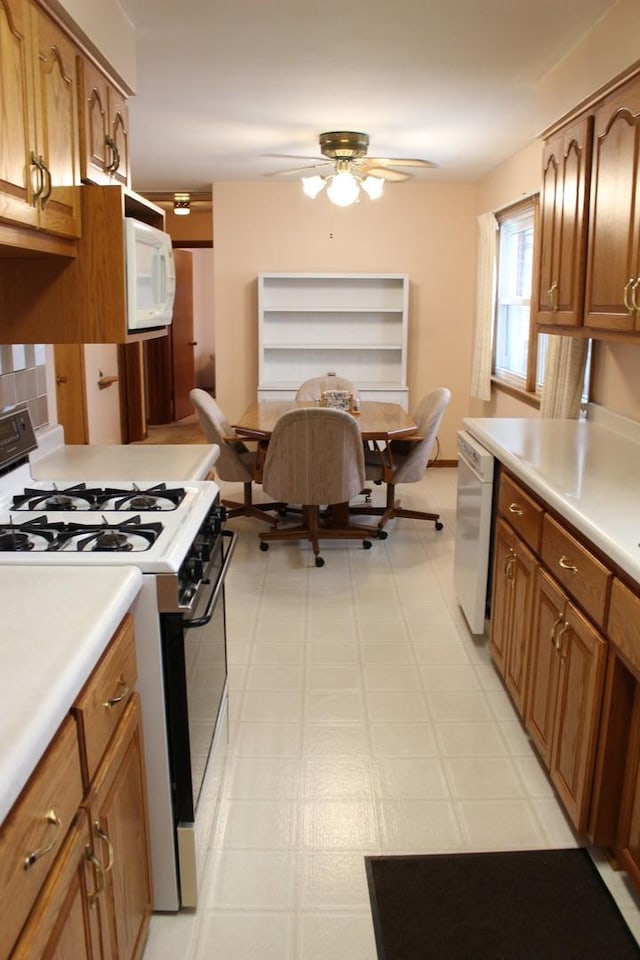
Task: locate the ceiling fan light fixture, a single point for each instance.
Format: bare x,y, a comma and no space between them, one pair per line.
343,189
373,187
182,204
312,186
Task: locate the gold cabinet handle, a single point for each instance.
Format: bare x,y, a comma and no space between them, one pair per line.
509,570
634,303
567,565
99,870
47,174
516,508
556,624
105,838
51,817
35,162
507,561
552,296
124,687
558,643
625,295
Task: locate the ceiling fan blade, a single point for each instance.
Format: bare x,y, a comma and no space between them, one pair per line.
310,169
382,173
400,162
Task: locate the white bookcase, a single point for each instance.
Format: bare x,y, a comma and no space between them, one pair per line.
350,324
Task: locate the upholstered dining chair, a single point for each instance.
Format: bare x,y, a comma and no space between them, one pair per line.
315,458
236,463
312,389
405,461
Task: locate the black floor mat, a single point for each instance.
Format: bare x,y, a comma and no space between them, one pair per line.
522,905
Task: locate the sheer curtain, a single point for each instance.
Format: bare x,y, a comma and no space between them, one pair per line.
563,377
485,306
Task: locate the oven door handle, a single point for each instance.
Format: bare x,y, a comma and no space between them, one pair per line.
206,616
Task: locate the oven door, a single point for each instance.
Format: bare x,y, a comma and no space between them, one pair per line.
195,684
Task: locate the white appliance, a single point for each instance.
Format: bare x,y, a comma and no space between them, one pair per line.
151,276
174,533
473,529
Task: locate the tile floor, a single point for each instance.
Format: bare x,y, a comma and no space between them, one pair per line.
364,719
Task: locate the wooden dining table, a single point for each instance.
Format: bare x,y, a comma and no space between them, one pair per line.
376,420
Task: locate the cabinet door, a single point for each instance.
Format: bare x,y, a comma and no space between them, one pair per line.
119,818
501,605
119,127
56,106
612,267
562,229
628,839
17,133
582,655
61,925
548,609
523,575
511,606
104,128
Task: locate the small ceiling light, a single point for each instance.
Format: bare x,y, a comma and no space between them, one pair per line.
373,187
182,204
312,186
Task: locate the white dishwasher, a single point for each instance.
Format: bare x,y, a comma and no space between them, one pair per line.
473,529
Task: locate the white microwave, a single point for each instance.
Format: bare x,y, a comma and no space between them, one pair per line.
151,276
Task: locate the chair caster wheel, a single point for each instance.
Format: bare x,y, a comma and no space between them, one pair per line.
382,535
282,512
264,546
439,525
319,562
366,544
367,499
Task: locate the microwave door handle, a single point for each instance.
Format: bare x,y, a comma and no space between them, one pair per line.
162,279
206,616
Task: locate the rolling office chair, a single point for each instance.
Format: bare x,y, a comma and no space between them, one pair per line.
405,461
315,457
236,463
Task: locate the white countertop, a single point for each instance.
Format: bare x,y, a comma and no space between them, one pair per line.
588,472
56,622
139,462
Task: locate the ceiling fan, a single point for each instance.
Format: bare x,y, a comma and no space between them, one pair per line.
349,168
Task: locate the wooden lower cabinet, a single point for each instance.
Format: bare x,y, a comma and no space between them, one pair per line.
567,668
120,837
87,894
62,924
511,606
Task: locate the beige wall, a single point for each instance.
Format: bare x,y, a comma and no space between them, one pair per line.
427,232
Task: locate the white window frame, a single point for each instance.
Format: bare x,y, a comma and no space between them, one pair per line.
528,379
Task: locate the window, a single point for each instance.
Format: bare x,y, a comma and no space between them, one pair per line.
519,352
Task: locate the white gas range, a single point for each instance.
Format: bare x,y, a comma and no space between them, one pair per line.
173,532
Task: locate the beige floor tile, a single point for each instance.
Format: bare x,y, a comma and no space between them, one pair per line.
336,936
500,825
339,825
470,739
259,739
253,880
483,777
403,739
418,826
245,935
415,778
333,739
333,880
333,779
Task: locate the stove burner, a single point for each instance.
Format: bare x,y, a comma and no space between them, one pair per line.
113,538
77,497
143,503
110,540
157,497
59,502
38,534
14,542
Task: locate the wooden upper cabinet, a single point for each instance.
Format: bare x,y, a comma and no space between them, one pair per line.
562,230
39,169
104,128
613,268
17,122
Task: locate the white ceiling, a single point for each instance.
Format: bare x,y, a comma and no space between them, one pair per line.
223,85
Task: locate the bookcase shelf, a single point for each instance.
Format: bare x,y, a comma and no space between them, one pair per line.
350,324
